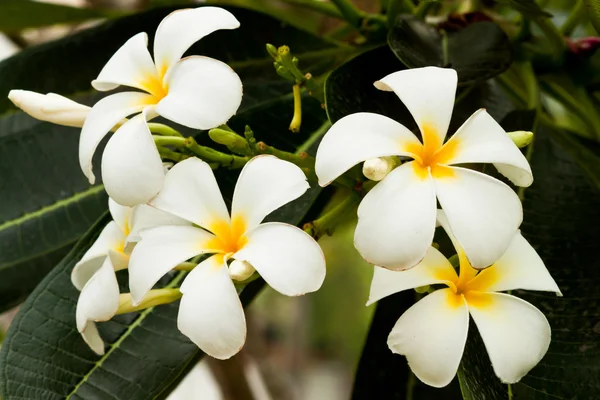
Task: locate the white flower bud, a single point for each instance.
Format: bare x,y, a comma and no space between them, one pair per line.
376,169
520,138
50,107
240,270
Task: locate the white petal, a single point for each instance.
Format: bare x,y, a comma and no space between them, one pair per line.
434,268
144,216
132,170
111,238
482,140
265,184
210,313
160,250
287,258
131,66
191,192
520,267
396,220
121,215
428,93
484,213
105,114
203,93
359,137
50,107
515,333
432,335
182,28
98,301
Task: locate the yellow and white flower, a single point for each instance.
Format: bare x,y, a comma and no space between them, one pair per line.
94,274
287,258
198,92
433,332
396,219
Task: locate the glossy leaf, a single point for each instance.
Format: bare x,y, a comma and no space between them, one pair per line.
477,52
593,13
41,218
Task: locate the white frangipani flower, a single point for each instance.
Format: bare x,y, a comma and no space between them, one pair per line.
433,332
288,259
396,219
198,92
50,107
95,275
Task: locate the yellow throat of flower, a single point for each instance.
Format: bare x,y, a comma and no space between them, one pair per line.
432,154
229,238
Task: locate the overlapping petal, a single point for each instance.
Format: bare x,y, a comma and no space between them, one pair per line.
203,93
121,215
131,66
265,184
520,267
432,335
359,137
111,238
484,213
182,28
287,258
105,114
515,333
191,192
434,268
98,301
160,250
396,219
144,216
210,313
482,140
428,93
132,169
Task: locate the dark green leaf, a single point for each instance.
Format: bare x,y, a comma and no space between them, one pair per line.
593,13
40,218
528,8
477,52
16,15
561,222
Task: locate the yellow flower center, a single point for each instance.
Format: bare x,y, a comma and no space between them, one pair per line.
229,238
155,84
471,284
432,155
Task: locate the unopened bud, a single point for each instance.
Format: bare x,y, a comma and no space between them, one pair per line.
376,169
272,50
240,270
285,73
232,140
520,138
50,107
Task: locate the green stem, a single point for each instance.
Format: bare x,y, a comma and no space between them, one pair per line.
574,18
319,6
171,155
162,130
316,135
301,159
297,119
423,8
153,298
554,36
186,266
202,152
326,222
349,12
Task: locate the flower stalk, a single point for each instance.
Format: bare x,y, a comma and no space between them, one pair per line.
152,298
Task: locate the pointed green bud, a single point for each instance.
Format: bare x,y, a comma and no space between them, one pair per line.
232,140
520,138
285,74
283,51
272,50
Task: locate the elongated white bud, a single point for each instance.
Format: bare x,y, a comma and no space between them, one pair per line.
240,270
376,169
520,138
50,107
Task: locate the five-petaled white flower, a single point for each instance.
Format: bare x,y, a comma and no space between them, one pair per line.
432,333
95,275
198,92
396,219
288,259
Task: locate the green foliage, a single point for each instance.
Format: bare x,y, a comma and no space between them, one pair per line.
16,15
477,52
528,8
593,13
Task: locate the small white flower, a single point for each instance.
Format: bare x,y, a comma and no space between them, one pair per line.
288,259
433,332
198,92
94,274
50,107
396,219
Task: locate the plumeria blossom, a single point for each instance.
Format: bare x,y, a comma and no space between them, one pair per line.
396,219
288,259
198,92
50,107
433,332
94,275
